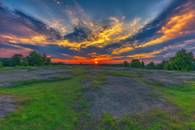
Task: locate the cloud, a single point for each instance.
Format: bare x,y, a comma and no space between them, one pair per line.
108,41
116,31
19,27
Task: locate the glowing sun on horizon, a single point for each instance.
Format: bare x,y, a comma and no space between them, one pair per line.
96,61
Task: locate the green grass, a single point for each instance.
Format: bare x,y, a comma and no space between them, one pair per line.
184,98
123,74
44,106
61,105
154,120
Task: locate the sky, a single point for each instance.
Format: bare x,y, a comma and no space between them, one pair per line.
97,31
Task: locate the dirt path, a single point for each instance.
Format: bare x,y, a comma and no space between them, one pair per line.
7,105
122,96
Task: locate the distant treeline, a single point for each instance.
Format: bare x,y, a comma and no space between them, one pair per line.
33,59
182,61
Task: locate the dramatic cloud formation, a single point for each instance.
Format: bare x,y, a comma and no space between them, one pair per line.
74,32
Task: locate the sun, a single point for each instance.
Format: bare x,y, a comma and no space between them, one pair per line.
96,62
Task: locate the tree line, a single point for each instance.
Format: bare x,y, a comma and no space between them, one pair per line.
182,61
33,59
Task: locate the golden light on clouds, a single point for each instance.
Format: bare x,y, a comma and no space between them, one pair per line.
101,37
123,49
98,59
34,39
174,28
146,55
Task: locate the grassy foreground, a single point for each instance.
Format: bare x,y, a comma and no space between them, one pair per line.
45,106
51,106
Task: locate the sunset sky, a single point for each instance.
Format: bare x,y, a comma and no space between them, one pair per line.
97,31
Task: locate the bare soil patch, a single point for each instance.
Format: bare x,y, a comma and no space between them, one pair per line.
168,78
122,96
7,104
10,78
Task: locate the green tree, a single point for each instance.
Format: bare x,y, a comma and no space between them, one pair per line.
151,65
135,63
142,64
35,59
126,64
161,65
47,60
1,64
17,60
182,61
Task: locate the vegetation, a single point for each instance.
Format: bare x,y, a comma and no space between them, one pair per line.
182,61
151,65
1,64
60,105
44,106
135,63
33,59
126,64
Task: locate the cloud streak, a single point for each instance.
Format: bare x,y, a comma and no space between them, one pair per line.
110,40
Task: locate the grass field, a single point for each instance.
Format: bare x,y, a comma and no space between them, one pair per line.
44,106
62,104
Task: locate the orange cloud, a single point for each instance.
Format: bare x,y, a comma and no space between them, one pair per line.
145,55
34,39
123,49
100,59
102,37
175,27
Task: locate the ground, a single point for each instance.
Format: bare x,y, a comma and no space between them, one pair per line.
96,98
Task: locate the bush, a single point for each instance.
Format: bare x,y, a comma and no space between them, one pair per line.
183,61
126,64
1,64
36,59
17,60
135,63
33,59
151,65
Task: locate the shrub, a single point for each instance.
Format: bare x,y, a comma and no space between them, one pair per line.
135,63
126,64
151,65
182,61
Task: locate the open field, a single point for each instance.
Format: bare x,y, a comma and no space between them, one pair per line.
96,98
